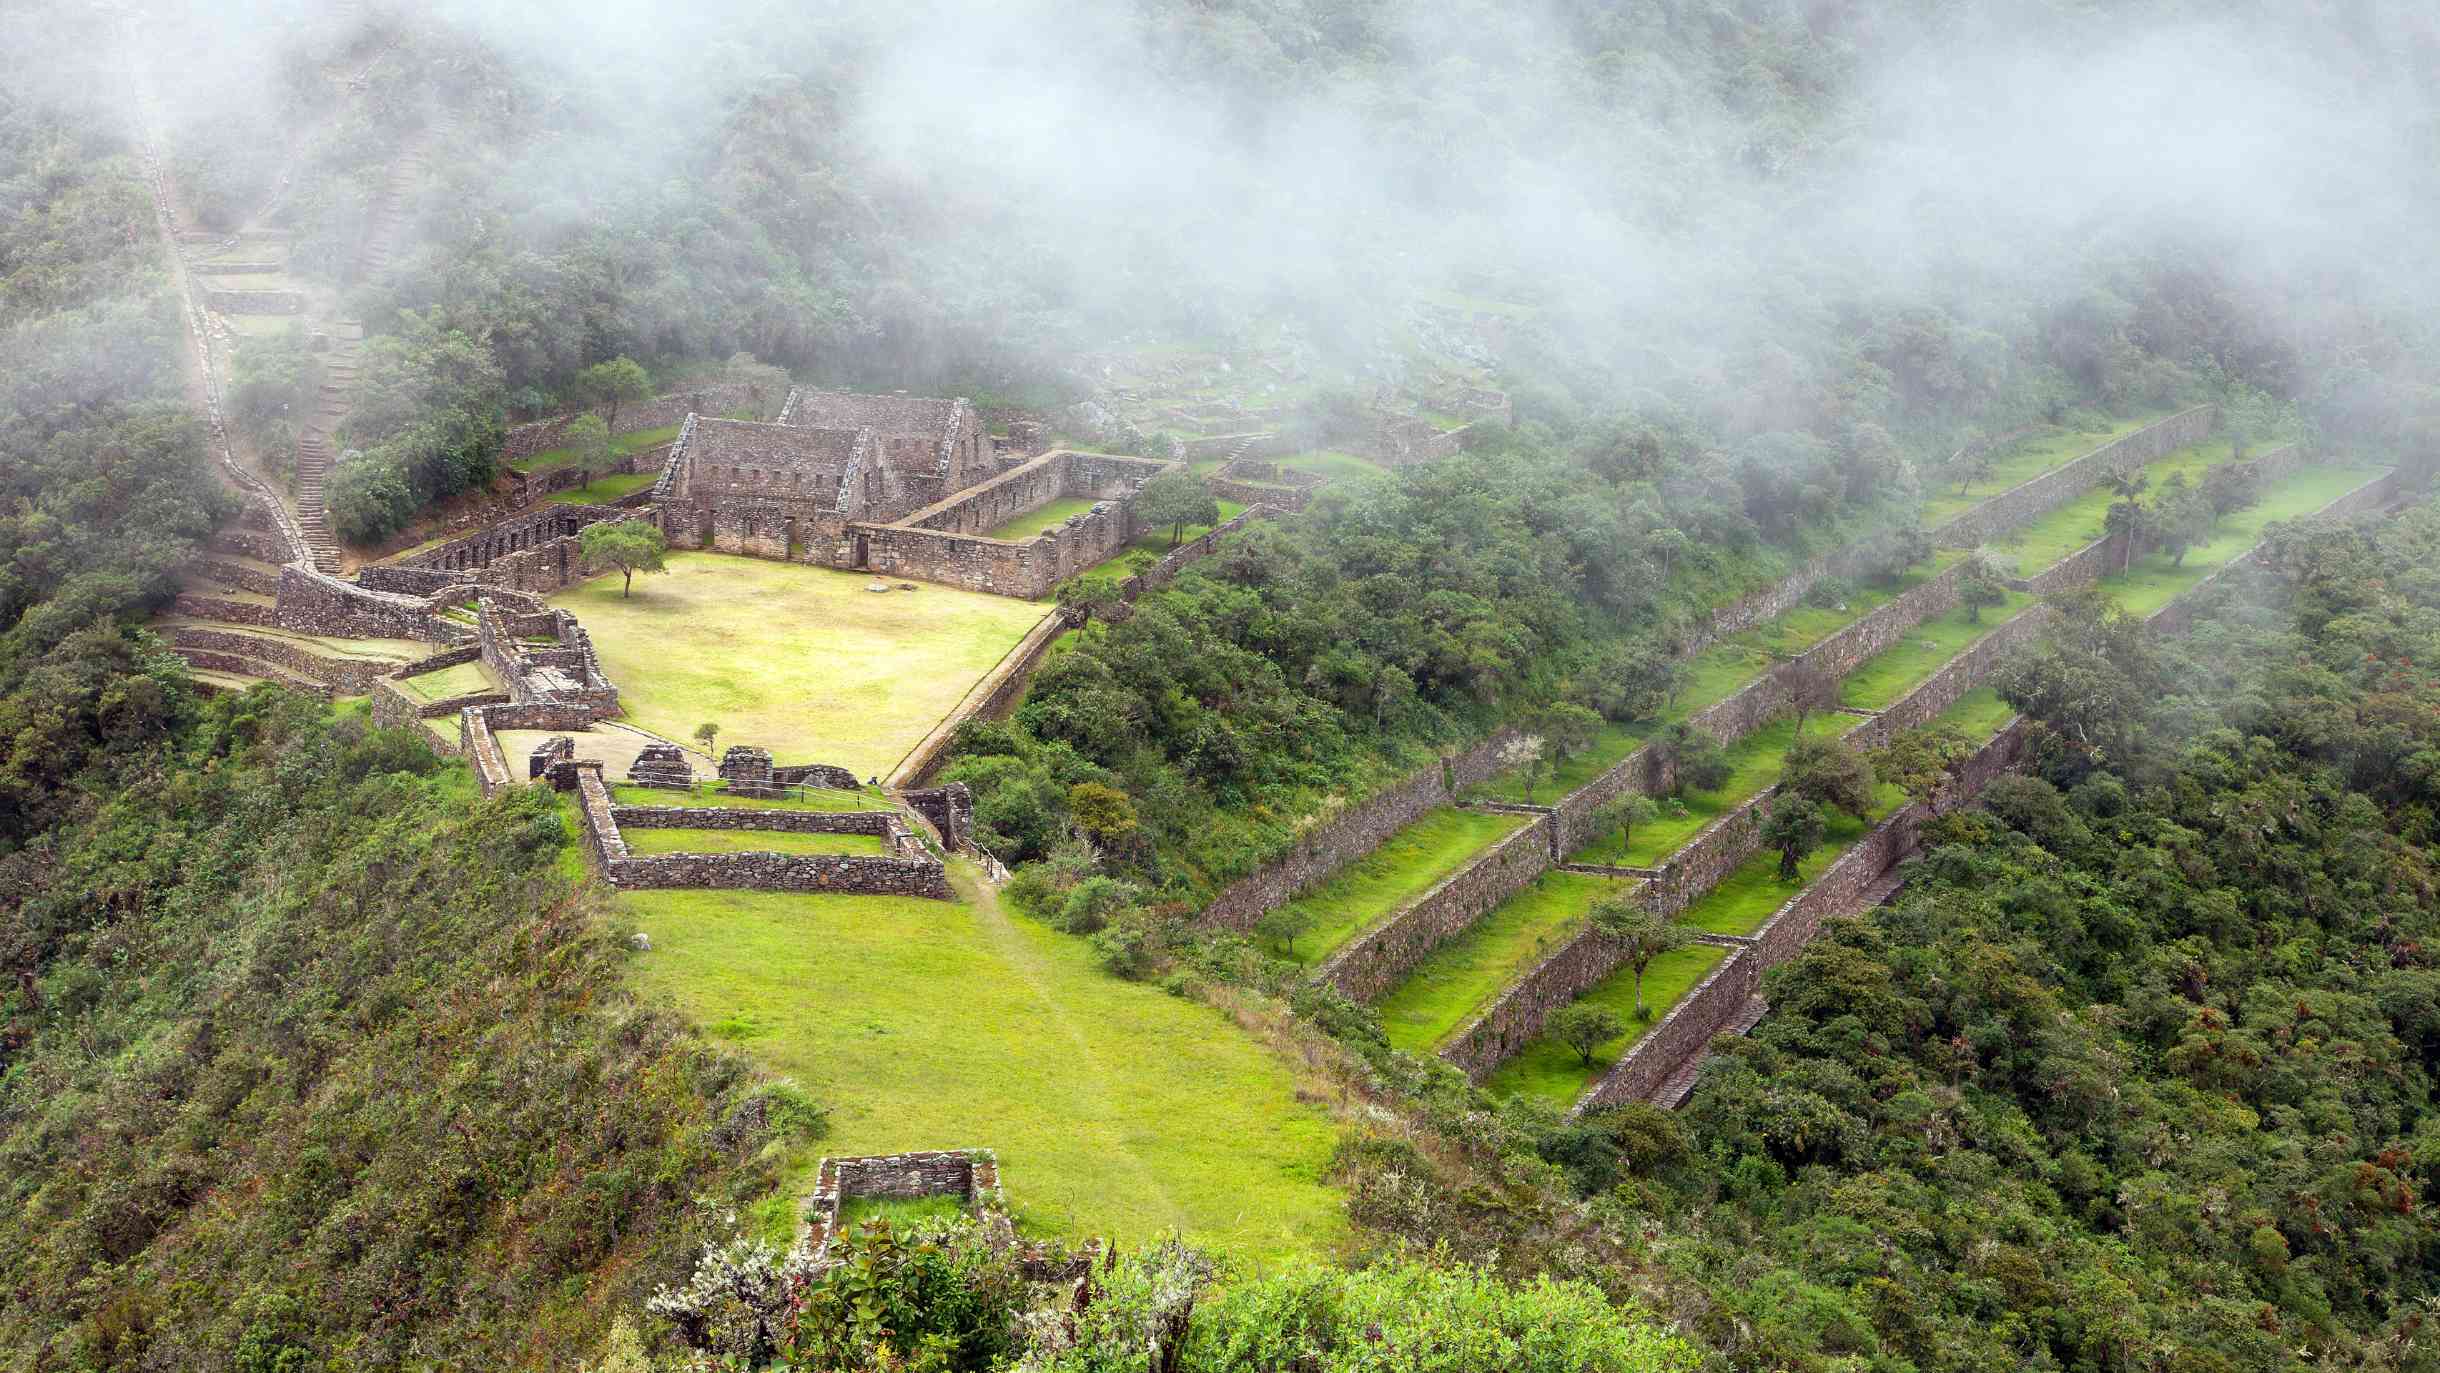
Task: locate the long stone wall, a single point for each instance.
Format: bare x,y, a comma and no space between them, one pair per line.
1192,551
226,611
716,398
314,602
347,676
992,698
879,824
1955,678
1351,834
2038,496
1685,1031
1381,957
796,872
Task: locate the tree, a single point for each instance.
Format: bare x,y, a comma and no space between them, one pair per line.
2127,521
1921,762
1103,811
1091,598
1635,680
1623,815
631,546
2182,518
1566,730
590,437
1639,936
762,381
707,734
612,384
1584,1027
2231,486
1695,758
1795,828
1893,551
1284,925
1981,585
1176,498
1828,773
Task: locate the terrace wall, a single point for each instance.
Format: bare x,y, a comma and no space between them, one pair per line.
2038,496
1382,956
348,676
992,698
716,398
1685,1031
1353,833
802,872
313,602
2178,615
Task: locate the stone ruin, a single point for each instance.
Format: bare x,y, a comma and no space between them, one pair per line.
662,765
556,752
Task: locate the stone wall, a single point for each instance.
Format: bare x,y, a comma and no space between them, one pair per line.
1689,1027
796,872
317,603
992,698
237,575
227,611
945,542
1192,551
715,398
970,1175
2039,496
1351,834
1380,958
879,824
348,676
950,810
234,302
1955,678
215,660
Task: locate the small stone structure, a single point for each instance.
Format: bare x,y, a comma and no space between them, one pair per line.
970,1175
908,870
543,657
661,765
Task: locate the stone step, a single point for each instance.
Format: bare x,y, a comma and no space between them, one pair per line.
242,665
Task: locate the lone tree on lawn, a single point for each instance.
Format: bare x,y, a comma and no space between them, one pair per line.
1639,936
1696,759
1585,1028
631,546
1623,815
590,439
706,733
1796,828
1284,925
1176,498
1981,585
613,384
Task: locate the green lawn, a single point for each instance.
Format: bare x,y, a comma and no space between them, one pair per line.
1755,760
2079,522
1406,865
1550,1070
2025,460
1033,522
2153,583
1157,541
645,842
1885,678
1747,897
1977,715
1331,463
812,798
462,680
898,1211
1116,1108
620,445
603,490
1461,976
803,661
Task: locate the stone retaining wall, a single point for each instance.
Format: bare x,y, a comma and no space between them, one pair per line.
2178,615
213,660
1380,958
234,302
226,611
1955,678
796,872
1685,1031
992,698
880,824
1194,550
236,574
317,603
970,1175
2038,496
346,676
1353,833
715,398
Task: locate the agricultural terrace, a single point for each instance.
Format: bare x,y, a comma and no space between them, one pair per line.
621,446
2081,521
1405,866
1462,975
1550,1071
1712,676
1116,1108
1754,763
2152,582
803,661
2020,462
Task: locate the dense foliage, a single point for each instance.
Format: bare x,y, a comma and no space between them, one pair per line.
2138,1072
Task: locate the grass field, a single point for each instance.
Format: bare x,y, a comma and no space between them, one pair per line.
1882,680
1550,1070
2152,583
620,445
2024,461
462,680
2080,521
1406,865
1747,897
603,490
646,842
1977,715
1755,761
800,660
1116,1108
1447,988
1033,522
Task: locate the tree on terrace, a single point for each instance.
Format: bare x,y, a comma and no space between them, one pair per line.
613,384
1585,1028
631,546
1795,828
1981,585
589,438
1177,498
1639,936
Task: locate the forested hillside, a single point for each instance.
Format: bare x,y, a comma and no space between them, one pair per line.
312,1057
